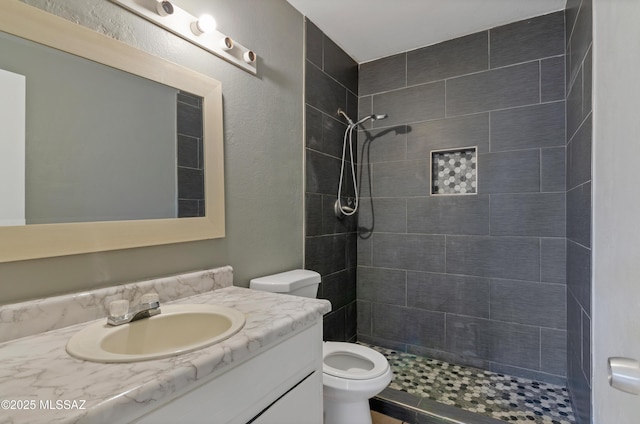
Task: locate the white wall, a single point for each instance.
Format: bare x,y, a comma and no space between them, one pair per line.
12,148
616,202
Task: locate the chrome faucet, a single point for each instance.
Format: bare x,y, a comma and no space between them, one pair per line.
120,313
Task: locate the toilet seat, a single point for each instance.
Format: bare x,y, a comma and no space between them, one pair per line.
352,361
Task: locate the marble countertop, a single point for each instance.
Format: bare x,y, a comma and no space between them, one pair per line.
43,384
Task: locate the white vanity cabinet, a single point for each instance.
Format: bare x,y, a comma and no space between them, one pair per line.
279,385
296,406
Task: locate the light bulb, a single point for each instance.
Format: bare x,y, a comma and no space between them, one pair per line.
249,56
226,43
205,23
164,8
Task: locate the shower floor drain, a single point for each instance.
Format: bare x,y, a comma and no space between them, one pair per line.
499,396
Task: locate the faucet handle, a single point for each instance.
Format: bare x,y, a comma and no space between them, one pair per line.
150,298
118,308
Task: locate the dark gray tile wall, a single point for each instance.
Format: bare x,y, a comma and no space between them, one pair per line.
528,127
190,156
578,17
448,214
330,244
477,279
540,36
499,88
460,56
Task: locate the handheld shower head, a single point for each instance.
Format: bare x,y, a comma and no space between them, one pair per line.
366,118
340,209
372,117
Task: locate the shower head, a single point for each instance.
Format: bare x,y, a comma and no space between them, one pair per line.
372,117
366,118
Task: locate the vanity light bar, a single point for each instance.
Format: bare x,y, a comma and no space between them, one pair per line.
199,31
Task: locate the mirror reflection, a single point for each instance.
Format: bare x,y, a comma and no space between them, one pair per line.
84,142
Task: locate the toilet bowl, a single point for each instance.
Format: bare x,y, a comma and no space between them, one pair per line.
351,373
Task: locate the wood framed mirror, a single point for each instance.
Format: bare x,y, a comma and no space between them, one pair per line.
40,240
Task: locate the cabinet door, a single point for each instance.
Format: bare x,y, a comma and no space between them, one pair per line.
302,404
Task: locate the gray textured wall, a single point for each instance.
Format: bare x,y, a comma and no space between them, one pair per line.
475,279
579,37
263,151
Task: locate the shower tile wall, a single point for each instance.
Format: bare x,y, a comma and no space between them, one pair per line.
579,131
330,244
476,279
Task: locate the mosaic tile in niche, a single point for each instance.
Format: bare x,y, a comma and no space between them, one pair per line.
454,171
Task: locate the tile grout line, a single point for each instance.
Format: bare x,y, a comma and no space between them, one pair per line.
540,349
445,99
540,80
489,49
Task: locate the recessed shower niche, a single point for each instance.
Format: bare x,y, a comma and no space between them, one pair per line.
454,171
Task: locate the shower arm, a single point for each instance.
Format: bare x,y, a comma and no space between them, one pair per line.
343,113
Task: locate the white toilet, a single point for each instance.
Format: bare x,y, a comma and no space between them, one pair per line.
351,373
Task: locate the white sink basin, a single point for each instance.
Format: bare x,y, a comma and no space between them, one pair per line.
178,329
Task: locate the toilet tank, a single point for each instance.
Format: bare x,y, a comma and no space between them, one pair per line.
298,282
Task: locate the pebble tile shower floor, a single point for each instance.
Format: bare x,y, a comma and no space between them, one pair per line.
499,396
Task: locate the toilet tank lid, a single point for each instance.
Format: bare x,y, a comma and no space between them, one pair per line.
285,282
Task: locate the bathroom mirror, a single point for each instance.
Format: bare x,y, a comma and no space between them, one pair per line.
30,241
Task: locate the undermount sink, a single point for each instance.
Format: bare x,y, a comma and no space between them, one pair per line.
176,330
